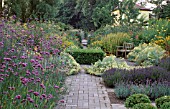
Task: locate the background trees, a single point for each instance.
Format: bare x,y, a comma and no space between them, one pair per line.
83,14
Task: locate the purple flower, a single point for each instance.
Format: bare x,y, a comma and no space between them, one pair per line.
30,91
1,79
44,95
23,57
18,97
32,60
23,100
62,101
30,99
14,16
24,64
42,85
55,86
7,59
36,93
11,88
50,96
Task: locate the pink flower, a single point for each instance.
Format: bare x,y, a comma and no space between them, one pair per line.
62,101
30,91
55,86
32,60
18,97
42,85
7,59
44,95
24,64
36,93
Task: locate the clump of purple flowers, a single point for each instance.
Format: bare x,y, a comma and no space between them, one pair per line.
25,54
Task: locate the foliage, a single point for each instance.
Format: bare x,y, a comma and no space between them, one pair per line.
127,9
86,56
109,42
160,101
136,75
28,65
162,10
165,11
93,14
72,66
165,63
135,99
153,90
146,54
108,62
155,29
165,105
26,9
144,106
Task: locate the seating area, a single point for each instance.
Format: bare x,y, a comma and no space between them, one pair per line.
125,49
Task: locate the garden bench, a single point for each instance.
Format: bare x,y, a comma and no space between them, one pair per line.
126,48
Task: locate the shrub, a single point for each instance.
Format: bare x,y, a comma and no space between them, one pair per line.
155,28
122,91
72,66
165,63
136,75
108,62
86,56
165,105
110,41
146,54
154,90
160,101
135,99
144,106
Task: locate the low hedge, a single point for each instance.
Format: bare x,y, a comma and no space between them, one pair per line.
166,105
135,99
144,106
160,101
87,56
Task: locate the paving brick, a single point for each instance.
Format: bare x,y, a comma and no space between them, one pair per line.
86,92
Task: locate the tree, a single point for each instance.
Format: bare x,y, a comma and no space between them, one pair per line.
165,11
128,12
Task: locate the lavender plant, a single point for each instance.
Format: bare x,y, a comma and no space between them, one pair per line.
136,75
153,90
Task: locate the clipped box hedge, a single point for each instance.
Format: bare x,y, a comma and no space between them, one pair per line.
87,56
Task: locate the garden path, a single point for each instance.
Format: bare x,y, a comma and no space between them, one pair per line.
85,92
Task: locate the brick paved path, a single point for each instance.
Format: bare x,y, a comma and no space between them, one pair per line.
85,92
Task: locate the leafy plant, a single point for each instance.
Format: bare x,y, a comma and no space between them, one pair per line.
152,90
165,63
137,75
135,99
144,106
72,67
155,29
146,54
110,42
165,105
160,101
108,62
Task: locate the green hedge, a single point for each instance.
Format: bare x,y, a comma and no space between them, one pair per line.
87,56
